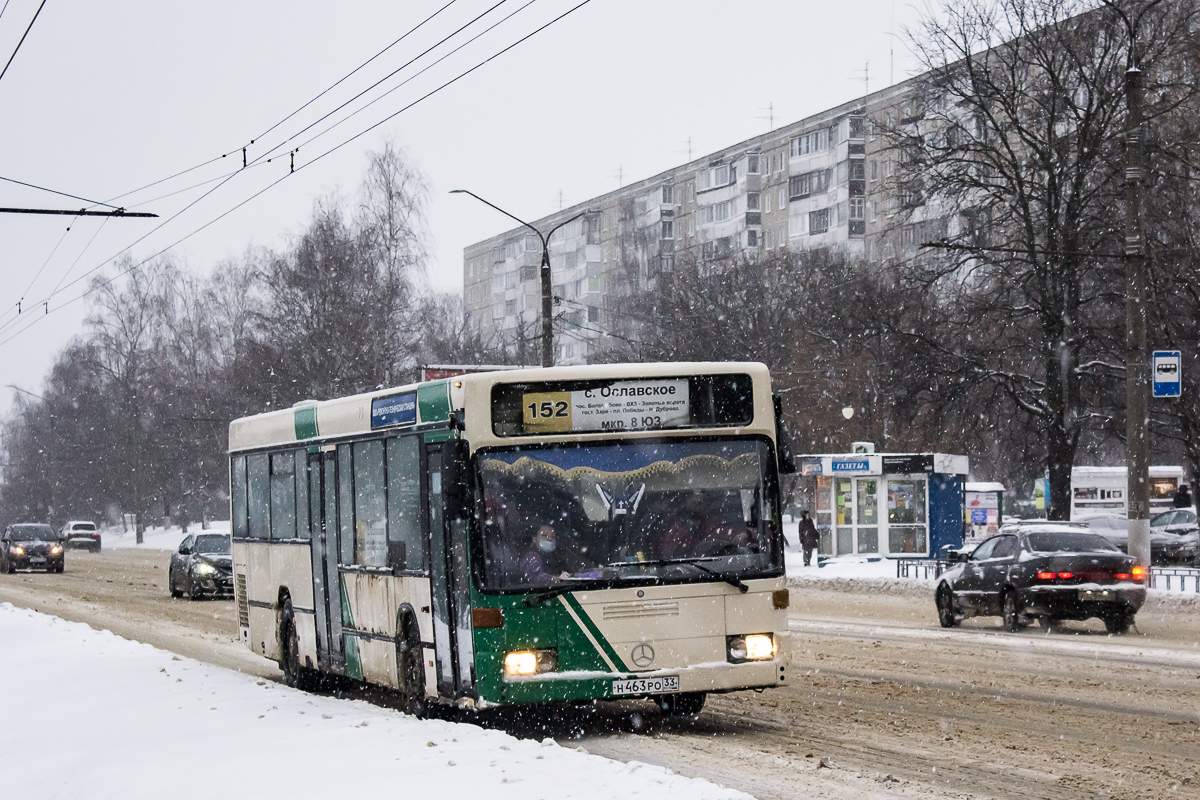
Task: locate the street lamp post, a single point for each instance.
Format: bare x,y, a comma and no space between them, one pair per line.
547,289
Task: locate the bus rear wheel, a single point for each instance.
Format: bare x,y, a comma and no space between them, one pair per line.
687,704
294,675
410,676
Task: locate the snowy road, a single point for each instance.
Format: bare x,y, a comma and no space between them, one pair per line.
880,691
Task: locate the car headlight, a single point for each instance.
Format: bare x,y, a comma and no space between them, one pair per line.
18,551
204,569
55,550
751,647
530,662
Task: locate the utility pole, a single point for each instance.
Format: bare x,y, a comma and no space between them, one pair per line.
547,288
1137,367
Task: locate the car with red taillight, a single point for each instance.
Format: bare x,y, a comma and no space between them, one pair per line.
1049,573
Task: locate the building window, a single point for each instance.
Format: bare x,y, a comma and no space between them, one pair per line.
529,273
706,251
752,201
752,164
891,166
668,229
668,195
857,170
857,208
510,308
818,221
593,314
891,206
782,199
856,127
874,170
809,183
767,202
594,283
751,238
768,239
874,210
813,142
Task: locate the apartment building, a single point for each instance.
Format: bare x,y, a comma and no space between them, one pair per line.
827,181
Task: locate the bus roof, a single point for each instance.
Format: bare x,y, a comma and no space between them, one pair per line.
431,403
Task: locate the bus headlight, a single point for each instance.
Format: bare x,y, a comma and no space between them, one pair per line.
751,647
530,662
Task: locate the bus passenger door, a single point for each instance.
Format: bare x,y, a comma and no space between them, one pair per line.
449,586
322,475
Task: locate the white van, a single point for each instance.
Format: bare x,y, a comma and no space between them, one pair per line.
1098,492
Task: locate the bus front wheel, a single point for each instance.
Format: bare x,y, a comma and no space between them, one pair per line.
687,704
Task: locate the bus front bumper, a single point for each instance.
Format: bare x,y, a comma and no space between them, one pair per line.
715,677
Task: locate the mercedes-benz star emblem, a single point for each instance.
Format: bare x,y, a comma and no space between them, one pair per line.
642,655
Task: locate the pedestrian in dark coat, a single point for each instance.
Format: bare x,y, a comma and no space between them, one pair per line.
1183,497
809,539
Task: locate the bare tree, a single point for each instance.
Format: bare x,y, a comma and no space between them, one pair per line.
1013,145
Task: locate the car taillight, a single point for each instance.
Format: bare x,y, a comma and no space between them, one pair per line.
1066,576
1139,573
1122,576
1045,576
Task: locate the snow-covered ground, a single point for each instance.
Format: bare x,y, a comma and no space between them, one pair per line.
157,538
89,714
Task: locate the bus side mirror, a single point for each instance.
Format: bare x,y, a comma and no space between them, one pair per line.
456,479
783,445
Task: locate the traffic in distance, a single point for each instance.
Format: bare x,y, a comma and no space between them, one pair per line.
563,534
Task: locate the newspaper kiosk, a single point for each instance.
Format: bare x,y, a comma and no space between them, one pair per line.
892,504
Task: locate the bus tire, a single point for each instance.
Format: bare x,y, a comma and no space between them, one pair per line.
687,704
410,669
294,674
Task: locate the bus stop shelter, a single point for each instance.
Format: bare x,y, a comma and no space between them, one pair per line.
892,504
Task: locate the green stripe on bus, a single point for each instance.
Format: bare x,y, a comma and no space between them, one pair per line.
433,401
306,422
607,649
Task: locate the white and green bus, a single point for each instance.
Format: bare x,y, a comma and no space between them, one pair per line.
534,535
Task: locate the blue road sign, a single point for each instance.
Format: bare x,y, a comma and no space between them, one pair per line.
1167,373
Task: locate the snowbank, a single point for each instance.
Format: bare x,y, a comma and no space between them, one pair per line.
158,538
138,722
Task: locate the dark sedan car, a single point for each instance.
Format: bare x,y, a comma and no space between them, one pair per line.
30,546
1050,574
202,565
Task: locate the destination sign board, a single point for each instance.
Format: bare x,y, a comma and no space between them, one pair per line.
399,409
621,406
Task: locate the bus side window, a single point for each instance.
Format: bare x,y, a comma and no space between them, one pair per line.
370,508
258,502
237,488
406,545
345,505
283,496
302,524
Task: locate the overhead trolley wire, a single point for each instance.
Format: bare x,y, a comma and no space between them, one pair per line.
26,33
272,151
237,150
269,186
414,76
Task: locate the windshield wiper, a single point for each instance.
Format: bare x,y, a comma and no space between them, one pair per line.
541,597
732,580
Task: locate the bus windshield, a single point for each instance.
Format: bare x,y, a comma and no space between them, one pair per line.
628,513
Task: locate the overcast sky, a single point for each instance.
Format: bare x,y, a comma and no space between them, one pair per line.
103,98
